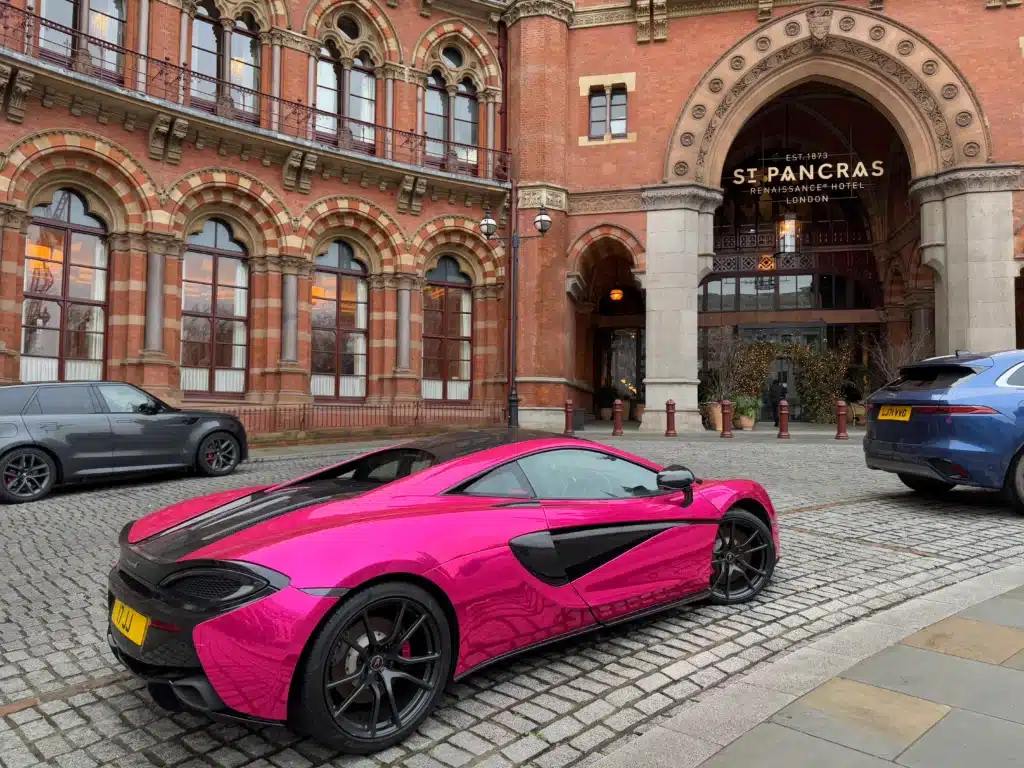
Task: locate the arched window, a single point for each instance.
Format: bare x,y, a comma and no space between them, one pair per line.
225,63
64,311
103,21
467,122
436,116
345,108
340,321
447,332
214,311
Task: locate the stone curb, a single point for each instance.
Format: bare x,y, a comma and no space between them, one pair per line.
725,714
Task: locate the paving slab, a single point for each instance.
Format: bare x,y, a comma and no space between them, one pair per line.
1008,611
978,640
660,748
968,739
958,682
869,719
729,712
772,746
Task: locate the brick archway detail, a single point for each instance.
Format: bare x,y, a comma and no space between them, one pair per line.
357,214
612,232
32,159
455,29
365,8
268,13
920,90
214,187
462,233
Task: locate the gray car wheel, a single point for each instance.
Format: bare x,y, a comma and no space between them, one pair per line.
218,454
26,474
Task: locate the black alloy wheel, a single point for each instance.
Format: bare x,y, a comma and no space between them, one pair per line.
218,455
926,486
743,559
376,670
26,474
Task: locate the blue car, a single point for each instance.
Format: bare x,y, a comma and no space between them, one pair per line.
949,421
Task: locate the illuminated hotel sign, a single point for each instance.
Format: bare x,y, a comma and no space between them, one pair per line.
810,178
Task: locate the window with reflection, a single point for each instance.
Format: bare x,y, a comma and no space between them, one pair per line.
435,111
607,112
63,317
467,122
340,323
102,21
765,292
447,332
214,311
210,49
345,105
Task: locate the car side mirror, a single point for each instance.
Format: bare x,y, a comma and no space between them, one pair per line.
676,478
150,409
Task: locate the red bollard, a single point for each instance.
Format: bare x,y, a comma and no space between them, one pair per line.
726,419
616,418
670,418
841,421
783,420
568,419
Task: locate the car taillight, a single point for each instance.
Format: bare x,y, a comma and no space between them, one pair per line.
950,410
157,624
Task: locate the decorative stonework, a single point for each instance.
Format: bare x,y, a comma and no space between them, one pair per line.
972,149
602,17
619,234
536,195
298,171
989,178
763,44
616,201
555,9
737,63
686,139
20,89
905,47
792,29
850,41
964,119
694,197
681,168
764,10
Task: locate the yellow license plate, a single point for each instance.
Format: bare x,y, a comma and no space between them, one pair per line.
894,413
129,622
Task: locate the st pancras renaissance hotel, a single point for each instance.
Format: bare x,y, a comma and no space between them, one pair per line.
454,207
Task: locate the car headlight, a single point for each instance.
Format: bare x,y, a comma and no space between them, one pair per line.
220,585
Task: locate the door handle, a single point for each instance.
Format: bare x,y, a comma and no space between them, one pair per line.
125,421
49,427
506,504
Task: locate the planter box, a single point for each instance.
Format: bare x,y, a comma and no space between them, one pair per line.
714,411
606,414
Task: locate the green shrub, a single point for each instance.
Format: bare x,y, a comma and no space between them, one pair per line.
819,379
754,363
747,406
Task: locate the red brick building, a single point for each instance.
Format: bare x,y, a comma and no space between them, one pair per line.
266,202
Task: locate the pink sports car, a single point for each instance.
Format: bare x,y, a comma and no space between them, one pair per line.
342,603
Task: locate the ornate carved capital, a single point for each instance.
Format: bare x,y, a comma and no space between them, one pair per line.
960,181
576,287
693,197
13,218
561,10
294,265
167,244
535,195
394,71
408,281
127,241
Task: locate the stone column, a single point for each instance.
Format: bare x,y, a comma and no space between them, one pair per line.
13,226
188,12
162,306
678,247
276,41
289,316
314,56
143,45
391,72
292,375
967,239
406,283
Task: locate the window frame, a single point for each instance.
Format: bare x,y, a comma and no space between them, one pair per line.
63,300
211,16
330,55
445,338
242,28
82,43
608,95
216,254
87,386
437,87
339,274
597,92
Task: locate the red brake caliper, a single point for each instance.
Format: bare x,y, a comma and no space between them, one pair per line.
406,651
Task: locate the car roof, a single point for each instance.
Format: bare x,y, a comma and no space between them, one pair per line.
456,445
964,357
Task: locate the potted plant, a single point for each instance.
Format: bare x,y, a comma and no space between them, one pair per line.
606,397
713,411
745,411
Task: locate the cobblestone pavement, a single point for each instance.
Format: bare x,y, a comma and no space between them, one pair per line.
853,542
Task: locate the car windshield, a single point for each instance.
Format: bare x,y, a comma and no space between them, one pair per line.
388,465
929,377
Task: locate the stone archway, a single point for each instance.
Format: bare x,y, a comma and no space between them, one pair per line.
966,200
923,94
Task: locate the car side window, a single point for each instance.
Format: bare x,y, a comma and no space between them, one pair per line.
587,475
57,401
122,399
1016,378
14,399
507,481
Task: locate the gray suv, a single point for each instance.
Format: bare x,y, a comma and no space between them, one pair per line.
52,434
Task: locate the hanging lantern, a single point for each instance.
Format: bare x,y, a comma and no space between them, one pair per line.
788,234
615,294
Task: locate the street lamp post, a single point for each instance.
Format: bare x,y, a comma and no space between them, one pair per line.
488,226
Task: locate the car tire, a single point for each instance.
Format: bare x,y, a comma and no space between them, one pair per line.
26,474
1013,489
743,559
926,486
218,454
387,650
